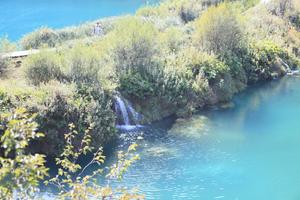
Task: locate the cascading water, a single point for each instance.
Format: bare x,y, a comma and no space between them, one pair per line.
122,109
127,121
127,117
288,68
135,116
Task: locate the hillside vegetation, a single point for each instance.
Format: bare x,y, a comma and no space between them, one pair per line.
172,58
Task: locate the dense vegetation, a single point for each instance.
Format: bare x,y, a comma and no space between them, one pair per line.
21,173
173,58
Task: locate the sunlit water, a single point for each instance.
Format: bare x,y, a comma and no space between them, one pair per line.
18,17
250,151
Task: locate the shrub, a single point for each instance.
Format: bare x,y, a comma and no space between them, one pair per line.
134,43
172,39
13,96
134,85
213,76
43,67
204,64
210,67
20,173
52,38
4,101
190,10
4,63
83,64
95,107
52,103
163,9
89,65
237,66
162,85
219,29
186,10
40,38
283,8
5,47
263,60
172,87
295,19
148,11
70,180
59,104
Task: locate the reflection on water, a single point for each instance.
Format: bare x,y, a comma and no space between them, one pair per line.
243,152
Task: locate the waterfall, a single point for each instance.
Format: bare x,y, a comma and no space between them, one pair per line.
288,68
127,117
121,107
135,116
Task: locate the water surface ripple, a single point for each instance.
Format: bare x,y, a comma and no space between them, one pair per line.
246,152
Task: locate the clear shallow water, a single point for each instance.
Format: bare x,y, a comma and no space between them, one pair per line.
18,17
250,151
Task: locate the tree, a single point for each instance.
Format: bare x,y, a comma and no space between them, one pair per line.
71,180
20,173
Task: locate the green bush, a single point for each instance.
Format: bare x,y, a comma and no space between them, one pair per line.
80,64
5,101
172,39
95,107
204,64
43,67
211,67
59,104
172,87
263,55
133,43
91,65
83,64
295,19
135,85
46,37
186,10
212,79
5,47
20,173
82,105
138,66
3,65
219,29
40,38
263,61
167,86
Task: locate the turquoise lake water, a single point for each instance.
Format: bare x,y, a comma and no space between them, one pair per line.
18,17
250,151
